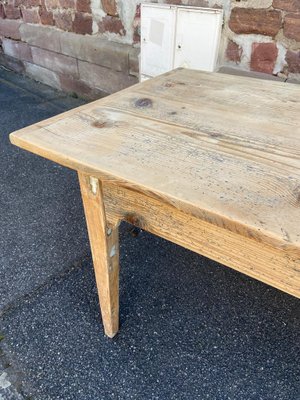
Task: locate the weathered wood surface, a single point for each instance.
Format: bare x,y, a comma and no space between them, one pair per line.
258,260
222,149
104,240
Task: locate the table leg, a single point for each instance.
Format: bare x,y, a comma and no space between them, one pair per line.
104,241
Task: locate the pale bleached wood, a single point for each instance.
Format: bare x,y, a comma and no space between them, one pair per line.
279,268
104,241
256,196
220,149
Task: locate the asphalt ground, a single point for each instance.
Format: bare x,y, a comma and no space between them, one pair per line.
190,328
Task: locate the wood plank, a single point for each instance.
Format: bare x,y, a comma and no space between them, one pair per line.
222,149
275,267
242,194
259,138
104,241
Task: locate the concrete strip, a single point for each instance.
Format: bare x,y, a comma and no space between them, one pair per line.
54,61
10,28
40,36
134,61
250,74
12,63
103,78
84,47
19,50
43,75
95,50
79,88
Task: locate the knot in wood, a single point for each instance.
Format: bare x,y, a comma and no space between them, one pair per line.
143,103
134,220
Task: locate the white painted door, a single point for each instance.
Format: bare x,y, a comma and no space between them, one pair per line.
197,38
157,39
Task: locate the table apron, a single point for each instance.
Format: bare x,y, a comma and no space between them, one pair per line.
273,266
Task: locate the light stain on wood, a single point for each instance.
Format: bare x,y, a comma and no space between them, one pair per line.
208,161
104,239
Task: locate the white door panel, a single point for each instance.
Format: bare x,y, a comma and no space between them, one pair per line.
157,40
178,36
197,39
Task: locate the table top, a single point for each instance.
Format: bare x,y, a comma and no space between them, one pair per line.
220,147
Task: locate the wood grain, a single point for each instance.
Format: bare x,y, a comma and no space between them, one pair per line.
104,240
275,267
221,152
247,196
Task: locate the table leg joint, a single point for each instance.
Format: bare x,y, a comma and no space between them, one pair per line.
104,241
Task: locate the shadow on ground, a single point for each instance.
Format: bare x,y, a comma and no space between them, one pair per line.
190,328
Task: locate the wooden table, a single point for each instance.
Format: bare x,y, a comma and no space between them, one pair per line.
208,161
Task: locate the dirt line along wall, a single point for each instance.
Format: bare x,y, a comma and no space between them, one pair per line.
91,47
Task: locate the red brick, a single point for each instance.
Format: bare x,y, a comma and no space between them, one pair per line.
136,31
138,11
82,24
233,52
46,16
51,4
137,25
110,7
67,4
31,15
287,5
17,3
2,12
291,27
63,20
257,21
112,24
31,3
10,28
293,61
83,6
263,57
12,12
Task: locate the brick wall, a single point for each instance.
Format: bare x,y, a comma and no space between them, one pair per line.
90,47
264,36
79,46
